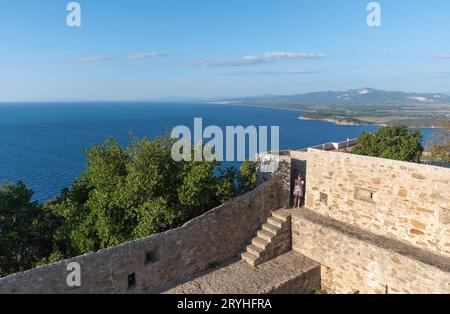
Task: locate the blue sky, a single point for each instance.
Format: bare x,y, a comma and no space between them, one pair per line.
143,49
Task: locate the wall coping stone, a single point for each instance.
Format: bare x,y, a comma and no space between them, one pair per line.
384,161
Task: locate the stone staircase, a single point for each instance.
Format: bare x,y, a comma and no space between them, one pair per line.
273,240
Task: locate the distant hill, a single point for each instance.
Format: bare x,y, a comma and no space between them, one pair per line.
362,96
361,106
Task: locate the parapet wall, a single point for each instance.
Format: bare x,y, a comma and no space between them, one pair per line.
375,225
403,201
161,260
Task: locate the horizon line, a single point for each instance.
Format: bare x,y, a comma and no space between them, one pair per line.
201,98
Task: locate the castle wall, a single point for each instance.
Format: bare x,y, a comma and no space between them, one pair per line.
403,201
356,261
163,259
376,224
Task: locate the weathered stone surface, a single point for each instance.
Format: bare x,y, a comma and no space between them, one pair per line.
288,273
213,237
418,225
382,196
356,260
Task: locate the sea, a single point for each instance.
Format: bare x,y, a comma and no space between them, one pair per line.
43,144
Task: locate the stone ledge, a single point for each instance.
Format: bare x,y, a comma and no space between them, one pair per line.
407,250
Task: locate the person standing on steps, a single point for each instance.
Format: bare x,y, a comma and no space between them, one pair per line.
299,191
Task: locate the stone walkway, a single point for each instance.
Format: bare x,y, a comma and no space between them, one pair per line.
288,273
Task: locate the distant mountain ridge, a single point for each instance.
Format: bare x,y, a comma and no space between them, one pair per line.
362,96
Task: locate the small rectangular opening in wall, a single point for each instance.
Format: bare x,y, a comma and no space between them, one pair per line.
131,281
364,195
324,198
152,256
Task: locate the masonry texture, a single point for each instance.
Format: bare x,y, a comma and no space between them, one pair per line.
369,225
375,225
355,261
404,201
217,236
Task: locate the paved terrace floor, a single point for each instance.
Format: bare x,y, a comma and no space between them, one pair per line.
288,273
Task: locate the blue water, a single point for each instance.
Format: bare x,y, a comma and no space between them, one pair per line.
43,144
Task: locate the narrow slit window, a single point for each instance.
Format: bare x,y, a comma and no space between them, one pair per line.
131,280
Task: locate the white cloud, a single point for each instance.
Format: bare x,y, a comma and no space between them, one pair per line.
94,58
438,56
258,59
272,72
145,55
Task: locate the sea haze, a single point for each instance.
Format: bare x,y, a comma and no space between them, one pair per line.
44,144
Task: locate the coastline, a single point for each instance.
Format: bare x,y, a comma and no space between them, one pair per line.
344,122
249,105
330,119
335,121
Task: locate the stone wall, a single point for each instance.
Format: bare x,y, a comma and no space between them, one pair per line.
356,261
163,259
403,201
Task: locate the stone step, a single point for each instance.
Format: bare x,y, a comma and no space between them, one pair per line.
266,235
284,215
276,222
250,258
271,228
261,243
272,240
254,250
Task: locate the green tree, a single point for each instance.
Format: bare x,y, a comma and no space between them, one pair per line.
439,147
124,194
392,142
247,177
26,229
133,192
